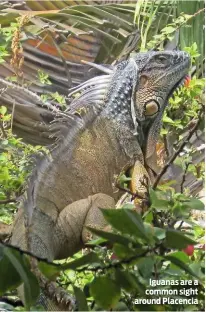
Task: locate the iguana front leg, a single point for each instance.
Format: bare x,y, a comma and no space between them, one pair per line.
139,185
139,179
70,232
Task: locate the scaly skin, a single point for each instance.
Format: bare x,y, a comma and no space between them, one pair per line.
89,174
120,127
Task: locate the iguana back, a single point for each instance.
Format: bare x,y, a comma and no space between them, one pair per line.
88,164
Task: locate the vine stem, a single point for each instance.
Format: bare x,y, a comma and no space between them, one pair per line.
179,26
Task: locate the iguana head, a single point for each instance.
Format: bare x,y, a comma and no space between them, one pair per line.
135,92
160,74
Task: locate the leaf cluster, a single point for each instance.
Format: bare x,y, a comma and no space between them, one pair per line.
141,248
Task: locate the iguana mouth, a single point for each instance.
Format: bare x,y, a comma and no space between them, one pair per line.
178,85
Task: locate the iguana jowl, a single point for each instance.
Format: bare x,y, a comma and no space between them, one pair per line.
113,124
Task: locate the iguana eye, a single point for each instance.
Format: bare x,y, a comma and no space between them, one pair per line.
151,108
161,59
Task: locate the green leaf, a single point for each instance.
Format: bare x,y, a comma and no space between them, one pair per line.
156,203
21,264
181,256
112,237
3,110
166,119
105,291
81,299
124,252
179,263
176,239
31,289
148,216
97,241
1,251
196,267
163,131
126,221
10,278
88,259
121,306
159,233
146,266
193,203
168,29
123,178
49,270
128,281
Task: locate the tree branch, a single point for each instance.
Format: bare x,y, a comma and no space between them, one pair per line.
28,253
172,159
184,177
7,201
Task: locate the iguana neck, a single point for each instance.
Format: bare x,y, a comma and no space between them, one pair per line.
108,95
119,95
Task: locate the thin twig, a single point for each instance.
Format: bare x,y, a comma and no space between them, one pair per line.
166,145
12,114
28,253
7,201
184,177
179,227
114,264
69,79
134,195
92,269
3,130
172,159
179,26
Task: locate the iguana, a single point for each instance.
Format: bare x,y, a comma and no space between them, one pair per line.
112,125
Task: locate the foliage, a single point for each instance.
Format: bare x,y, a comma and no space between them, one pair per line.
193,31
43,77
186,103
16,164
118,266
113,22
142,252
